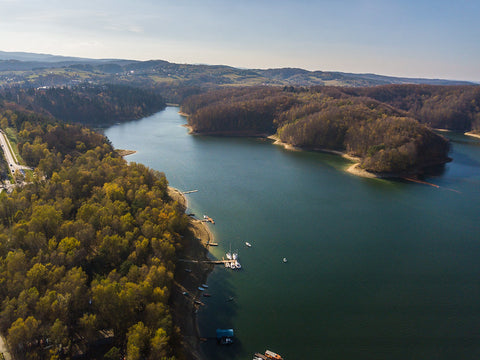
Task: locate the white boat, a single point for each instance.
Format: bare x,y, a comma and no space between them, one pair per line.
229,256
248,244
234,256
285,260
237,265
232,265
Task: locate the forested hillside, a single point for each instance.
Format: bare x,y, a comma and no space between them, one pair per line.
388,139
86,255
94,105
446,107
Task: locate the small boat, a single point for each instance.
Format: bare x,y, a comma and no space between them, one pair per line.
207,295
271,355
201,288
248,244
229,256
237,265
285,260
230,298
185,293
234,256
205,286
232,265
188,270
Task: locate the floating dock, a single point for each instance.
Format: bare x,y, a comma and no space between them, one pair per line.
189,192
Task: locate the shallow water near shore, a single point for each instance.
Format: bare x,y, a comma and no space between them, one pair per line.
376,269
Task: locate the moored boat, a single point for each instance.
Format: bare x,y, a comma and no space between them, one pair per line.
271,355
248,244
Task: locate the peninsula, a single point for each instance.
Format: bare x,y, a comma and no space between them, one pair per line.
388,140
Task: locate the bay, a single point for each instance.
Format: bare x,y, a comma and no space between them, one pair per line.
376,269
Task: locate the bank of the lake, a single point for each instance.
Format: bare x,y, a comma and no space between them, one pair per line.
188,277
472,134
376,269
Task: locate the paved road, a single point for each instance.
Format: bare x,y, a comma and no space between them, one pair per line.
9,156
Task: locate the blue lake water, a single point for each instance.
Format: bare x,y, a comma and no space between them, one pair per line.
376,269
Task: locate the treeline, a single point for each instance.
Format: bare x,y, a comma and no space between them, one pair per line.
249,111
86,256
93,105
444,107
388,139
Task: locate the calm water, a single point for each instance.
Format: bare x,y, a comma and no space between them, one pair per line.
376,269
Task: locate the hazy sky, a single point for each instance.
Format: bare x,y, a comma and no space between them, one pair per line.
420,38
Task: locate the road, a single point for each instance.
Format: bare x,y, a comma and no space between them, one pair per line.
9,156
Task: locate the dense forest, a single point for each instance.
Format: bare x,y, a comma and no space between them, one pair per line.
442,107
87,249
385,126
93,105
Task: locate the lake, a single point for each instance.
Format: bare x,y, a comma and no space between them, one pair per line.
376,269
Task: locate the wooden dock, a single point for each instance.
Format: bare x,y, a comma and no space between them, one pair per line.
215,262
189,192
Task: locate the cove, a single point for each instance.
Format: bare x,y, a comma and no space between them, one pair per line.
376,269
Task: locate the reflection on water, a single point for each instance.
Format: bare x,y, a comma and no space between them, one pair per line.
376,268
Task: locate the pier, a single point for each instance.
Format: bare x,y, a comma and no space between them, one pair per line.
189,192
215,262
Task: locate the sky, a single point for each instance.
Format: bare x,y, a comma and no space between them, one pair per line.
412,38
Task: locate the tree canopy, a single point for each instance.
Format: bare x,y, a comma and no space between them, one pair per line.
87,249
388,139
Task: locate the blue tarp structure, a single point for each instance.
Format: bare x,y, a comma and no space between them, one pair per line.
225,336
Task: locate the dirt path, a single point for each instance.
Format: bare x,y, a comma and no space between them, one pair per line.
3,349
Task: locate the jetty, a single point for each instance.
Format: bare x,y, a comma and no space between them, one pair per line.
215,262
189,192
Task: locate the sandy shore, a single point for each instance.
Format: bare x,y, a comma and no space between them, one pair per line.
352,169
125,152
188,277
473,134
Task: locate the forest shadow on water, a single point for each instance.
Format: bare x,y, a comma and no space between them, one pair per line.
376,268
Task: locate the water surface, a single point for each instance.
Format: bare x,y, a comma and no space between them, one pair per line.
376,269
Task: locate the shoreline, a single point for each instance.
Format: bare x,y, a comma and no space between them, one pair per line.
472,134
187,278
124,153
353,169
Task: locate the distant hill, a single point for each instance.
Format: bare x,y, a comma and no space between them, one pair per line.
158,71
